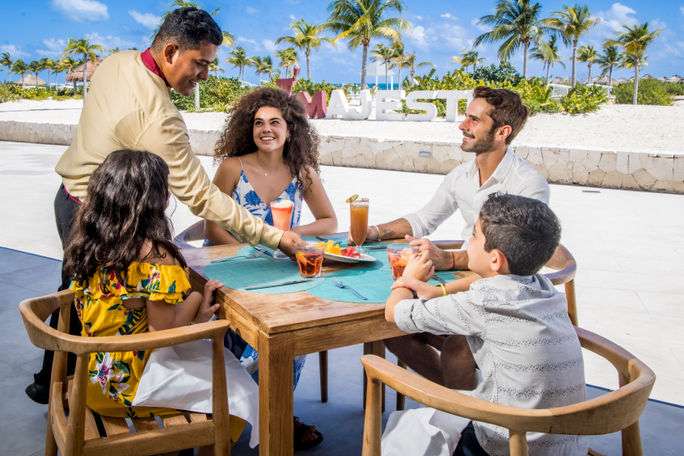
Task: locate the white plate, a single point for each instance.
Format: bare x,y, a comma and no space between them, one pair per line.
345,259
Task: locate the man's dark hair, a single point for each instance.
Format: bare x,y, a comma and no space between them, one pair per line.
508,109
187,28
525,230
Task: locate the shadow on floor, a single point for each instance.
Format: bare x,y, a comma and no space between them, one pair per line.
340,420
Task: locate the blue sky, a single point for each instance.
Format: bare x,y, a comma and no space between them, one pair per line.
32,29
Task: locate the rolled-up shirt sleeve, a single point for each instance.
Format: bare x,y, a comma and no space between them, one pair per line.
436,211
167,137
452,314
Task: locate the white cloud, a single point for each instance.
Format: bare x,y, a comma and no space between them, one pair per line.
251,10
293,18
481,27
269,45
617,16
82,10
446,15
248,42
54,47
681,9
417,36
148,20
14,51
109,41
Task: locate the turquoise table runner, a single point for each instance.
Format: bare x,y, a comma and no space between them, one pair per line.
372,280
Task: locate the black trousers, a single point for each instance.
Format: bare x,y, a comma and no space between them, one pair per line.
65,213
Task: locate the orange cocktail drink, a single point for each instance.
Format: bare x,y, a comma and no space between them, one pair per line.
399,256
309,260
358,216
282,214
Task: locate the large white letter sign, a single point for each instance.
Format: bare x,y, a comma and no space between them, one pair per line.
452,97
338,106
387,103
413,103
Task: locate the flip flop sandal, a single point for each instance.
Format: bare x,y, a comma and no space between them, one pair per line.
300,432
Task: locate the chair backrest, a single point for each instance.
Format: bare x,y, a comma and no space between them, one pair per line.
194,232
72,427
611,412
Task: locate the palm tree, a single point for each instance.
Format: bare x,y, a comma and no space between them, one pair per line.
384,54
46,64
87,50
468,58
19,68
6,61
262,65
358,21
609,59
634,40
214,66
548,54
113,51
68,64
288,58
398,59
588,55
305,38
238,58
228,38
516,23
34,67
410,61
571,23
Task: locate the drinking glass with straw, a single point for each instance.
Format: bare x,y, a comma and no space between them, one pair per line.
358,216
281,211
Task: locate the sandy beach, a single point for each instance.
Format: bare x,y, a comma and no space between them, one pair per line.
647,129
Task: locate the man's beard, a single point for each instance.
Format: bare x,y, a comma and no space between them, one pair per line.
480,146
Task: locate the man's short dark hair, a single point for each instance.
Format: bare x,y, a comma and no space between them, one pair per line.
188,28
508,108
525,230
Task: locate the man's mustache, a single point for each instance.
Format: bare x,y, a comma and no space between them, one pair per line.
469,135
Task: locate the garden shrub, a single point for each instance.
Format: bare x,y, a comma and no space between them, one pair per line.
651,92
582,99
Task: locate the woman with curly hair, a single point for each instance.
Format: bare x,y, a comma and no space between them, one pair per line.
268,152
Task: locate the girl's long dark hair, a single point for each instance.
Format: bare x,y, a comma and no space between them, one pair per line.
125,206
300,151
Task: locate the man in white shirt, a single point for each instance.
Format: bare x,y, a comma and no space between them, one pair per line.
493,119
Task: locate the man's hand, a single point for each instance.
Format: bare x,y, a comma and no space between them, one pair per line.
207,309
287,243
441,259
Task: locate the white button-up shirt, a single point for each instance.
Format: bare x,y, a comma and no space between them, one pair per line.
461,189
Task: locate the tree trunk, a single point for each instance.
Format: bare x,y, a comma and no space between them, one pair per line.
636,83
413,74
387,87
308,72
589,78
548,69
363,66
197,97
574,51
85,76
525,45
610,76
399,77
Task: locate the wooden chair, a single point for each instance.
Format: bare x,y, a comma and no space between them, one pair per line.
618,410
195,232
74,429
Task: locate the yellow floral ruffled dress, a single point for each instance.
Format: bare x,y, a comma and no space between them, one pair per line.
114,377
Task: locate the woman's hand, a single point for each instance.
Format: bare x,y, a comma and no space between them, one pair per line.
207,309
419,267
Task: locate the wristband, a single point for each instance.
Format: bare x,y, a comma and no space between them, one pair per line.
443,289
453,261
378,230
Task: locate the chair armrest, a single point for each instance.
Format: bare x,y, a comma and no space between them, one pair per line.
448,244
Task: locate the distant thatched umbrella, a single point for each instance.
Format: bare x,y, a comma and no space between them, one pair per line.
29,79
76,75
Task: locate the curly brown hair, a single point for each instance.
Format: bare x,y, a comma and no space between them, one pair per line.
299,153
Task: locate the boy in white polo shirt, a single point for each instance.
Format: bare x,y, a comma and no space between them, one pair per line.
516,325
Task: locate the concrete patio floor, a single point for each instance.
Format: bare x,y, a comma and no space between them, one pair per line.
628,246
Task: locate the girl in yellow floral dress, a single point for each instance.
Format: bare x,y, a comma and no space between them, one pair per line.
129,278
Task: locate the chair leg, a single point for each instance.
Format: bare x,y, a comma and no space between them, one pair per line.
323,372
50,443
631,441
401,399
373,348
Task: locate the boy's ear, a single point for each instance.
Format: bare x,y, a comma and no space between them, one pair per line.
498,262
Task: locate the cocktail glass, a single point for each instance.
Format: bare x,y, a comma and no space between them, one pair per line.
310,260
399,256
281,211
358,216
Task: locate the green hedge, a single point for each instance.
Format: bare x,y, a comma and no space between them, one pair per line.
651,92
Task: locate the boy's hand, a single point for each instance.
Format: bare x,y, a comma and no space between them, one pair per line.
422,289
207,309
419,267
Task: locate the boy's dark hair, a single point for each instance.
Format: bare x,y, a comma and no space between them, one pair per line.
508,109
187,28
124,208
525,230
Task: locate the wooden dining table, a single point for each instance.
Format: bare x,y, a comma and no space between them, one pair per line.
282,326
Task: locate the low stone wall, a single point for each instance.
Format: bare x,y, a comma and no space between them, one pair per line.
597,168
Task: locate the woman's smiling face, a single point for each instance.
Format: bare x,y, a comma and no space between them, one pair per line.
269,129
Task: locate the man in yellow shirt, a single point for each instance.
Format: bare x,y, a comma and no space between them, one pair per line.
128,106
